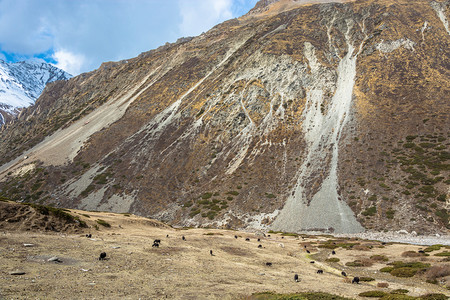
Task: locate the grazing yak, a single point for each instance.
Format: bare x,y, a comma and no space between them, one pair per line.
296,278
355,280
102,256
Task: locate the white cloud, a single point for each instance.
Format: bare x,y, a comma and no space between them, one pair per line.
95,31
68,61
200,15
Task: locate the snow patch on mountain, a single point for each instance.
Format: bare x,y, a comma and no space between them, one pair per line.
22,83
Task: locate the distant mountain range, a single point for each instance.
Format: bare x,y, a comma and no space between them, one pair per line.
22,83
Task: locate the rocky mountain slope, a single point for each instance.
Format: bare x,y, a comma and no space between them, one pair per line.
22,83
297,116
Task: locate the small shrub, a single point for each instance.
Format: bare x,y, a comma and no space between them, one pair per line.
434,297
411,254
382,284
103,223
211,215
371,211
289,234
328,246
89,189
397,297
332,259
194,212
206,196
433,248
366,279
387,269
404,272
87,216
303,296
379,258
359,263
102,178
445,253
436,272
188,204
204,202
414,264
234,193
390,213
400,291
374,294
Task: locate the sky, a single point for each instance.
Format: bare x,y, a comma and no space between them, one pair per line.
78,35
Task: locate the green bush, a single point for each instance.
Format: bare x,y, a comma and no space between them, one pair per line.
211,215
390,213
414,264
89,189
445,253
332,259
289,234
359,263
397,297
234,193
371,211
374,294
434,297
328,246
103,223
387,269
187,204
194,212
433,248
366,279
400,291
102,178
206,196
296,296
404,272
379,258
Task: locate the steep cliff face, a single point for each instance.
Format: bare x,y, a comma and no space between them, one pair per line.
330,117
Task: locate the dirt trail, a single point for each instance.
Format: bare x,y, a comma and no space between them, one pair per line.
183,269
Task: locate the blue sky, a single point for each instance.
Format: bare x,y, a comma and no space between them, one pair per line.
78,35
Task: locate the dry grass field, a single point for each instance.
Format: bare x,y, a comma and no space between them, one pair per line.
185,269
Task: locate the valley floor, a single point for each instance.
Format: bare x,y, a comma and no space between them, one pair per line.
184,269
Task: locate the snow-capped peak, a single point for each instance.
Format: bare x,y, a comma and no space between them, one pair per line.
22,83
